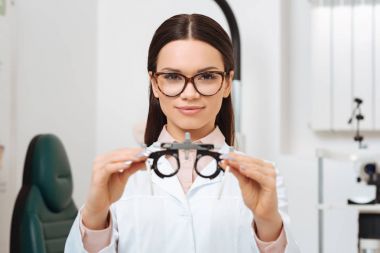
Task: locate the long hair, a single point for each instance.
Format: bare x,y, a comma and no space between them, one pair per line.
198,27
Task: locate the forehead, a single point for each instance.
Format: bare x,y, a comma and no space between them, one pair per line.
189,56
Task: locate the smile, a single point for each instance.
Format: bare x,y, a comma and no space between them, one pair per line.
189,110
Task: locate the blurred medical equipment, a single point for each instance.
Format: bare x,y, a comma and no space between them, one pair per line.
368,172
366,164
357,114
2,148
369,223
237,85
44,210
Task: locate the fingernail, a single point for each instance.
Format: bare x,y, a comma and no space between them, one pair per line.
144,153
128,163
271,163
226,157
223,156
241,167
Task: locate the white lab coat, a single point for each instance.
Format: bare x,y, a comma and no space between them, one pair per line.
169,221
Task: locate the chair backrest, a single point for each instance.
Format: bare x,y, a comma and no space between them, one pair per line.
44,210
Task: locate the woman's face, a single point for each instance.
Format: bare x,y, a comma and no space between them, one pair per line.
190,111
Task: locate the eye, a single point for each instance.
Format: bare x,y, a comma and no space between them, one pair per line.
207,76
172,76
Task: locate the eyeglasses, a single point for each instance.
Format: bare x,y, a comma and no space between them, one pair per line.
173,84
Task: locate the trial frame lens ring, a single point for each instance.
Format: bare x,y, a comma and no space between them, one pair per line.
156,156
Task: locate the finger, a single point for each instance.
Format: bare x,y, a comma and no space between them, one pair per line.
264,176
238,165
243,180
125,174
266,180
118,155
123,155
134,155
132,164
111,168
245,183
266,167
248,159
267,170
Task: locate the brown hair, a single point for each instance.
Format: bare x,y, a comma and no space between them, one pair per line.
199,27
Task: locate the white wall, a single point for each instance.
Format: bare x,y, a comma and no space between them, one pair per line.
54,89
56,80
298,143
6,124
80,72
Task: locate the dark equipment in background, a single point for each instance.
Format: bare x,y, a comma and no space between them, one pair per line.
237,86
357,114
235,35
44,210
369,222
369,173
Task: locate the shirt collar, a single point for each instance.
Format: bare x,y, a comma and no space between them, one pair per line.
216,137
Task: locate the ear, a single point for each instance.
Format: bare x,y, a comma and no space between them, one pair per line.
227,90
154,85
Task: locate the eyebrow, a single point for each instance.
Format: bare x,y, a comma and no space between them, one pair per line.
199,70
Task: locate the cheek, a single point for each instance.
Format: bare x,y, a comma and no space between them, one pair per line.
167,106
214,104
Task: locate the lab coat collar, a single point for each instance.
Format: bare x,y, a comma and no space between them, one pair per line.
216,137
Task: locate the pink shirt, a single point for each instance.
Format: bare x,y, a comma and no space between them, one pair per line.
95,240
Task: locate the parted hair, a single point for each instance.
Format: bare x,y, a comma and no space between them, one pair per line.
198,27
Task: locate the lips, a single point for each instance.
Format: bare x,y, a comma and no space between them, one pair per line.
190,110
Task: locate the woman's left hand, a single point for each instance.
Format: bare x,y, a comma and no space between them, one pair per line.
257,180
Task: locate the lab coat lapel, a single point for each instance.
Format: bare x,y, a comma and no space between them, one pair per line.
170,184
201,181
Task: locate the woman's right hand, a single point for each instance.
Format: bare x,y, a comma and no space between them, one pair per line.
110,174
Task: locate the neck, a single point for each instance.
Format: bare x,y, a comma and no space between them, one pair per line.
179,134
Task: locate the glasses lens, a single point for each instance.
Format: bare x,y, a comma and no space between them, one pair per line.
208,83
167,165
207,166
171,84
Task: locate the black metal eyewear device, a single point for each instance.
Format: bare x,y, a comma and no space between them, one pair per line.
172,150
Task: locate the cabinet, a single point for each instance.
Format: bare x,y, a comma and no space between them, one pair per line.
345,63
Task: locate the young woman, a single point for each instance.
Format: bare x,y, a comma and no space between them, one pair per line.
191,67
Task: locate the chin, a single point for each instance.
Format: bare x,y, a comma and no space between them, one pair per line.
190,124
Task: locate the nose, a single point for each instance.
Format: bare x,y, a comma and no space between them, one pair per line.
190,92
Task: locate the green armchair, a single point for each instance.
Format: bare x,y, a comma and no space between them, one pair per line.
44,210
